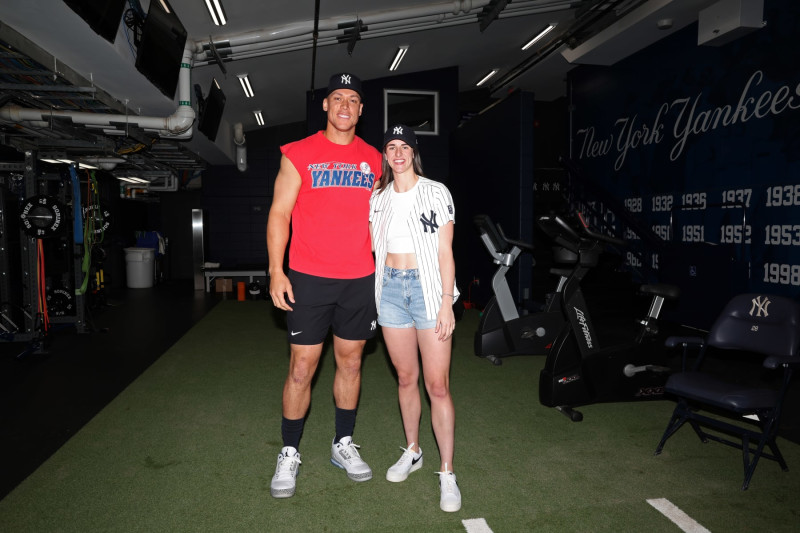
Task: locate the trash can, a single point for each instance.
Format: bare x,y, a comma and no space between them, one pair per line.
140,263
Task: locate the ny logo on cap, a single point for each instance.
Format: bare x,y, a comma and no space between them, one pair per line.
346,79
398,130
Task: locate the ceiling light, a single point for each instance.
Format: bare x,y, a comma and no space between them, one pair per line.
132,179
259,117
87,166
246,87
398,57
541,34
486,78
56,159
217,12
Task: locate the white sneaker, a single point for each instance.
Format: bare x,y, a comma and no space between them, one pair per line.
285,479
408,462
450,500
344,454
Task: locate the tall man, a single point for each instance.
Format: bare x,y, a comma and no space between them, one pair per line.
322,191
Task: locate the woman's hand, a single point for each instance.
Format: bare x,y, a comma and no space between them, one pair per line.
445,320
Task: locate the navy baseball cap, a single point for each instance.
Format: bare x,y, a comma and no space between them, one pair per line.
402,132
344,80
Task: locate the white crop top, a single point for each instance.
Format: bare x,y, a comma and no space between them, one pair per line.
398,234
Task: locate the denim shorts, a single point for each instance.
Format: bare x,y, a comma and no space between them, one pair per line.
402,303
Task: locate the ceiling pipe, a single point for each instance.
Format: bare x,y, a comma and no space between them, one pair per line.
302,31
537,10
306,28
178,125
241,147
333,38
291,44
170,185
132,189
299,36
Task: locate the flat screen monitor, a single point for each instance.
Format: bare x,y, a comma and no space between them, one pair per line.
418,109
103,17
211,111
160,49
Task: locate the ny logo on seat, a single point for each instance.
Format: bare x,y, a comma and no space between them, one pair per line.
760,306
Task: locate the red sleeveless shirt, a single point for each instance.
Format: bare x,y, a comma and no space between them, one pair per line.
330,221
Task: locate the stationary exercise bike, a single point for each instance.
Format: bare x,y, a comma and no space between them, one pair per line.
502,330
578,371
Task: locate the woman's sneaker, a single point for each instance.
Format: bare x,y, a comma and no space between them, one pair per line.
408,462
285,479
450,500
344,454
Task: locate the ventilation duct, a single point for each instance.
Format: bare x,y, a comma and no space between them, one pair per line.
178,125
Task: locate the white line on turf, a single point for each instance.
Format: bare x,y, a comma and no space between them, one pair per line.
476,525
678,517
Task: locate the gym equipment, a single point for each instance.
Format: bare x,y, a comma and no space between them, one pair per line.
60,301
77,213
99,219
254,290
760,325
42,216
502,331
578,371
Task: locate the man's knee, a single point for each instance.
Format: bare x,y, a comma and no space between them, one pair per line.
348,353
302,366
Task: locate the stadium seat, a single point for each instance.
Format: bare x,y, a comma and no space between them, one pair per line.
741,413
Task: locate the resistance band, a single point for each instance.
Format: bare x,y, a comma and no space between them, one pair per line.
77,212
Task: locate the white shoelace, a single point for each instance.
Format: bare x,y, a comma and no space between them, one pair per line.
448,480
288,466
408,454
350,449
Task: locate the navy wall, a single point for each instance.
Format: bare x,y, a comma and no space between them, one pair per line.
235,204
492,160
703,143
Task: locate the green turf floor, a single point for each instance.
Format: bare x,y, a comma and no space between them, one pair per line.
191,446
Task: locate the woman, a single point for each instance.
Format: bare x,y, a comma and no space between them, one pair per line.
411,219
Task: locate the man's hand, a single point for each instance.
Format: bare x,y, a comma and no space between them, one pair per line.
280,289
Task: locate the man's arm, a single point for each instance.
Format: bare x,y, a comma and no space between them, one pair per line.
287,187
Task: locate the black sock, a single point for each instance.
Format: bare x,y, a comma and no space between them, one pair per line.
292,430
345,422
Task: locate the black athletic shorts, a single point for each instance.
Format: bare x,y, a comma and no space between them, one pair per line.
346,305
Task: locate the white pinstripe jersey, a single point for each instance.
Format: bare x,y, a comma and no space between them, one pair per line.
432,208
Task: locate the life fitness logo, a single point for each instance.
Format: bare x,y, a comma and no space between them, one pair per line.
584,326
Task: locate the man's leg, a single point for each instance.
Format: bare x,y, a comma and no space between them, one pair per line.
296,399
346,390
297,389
347,382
